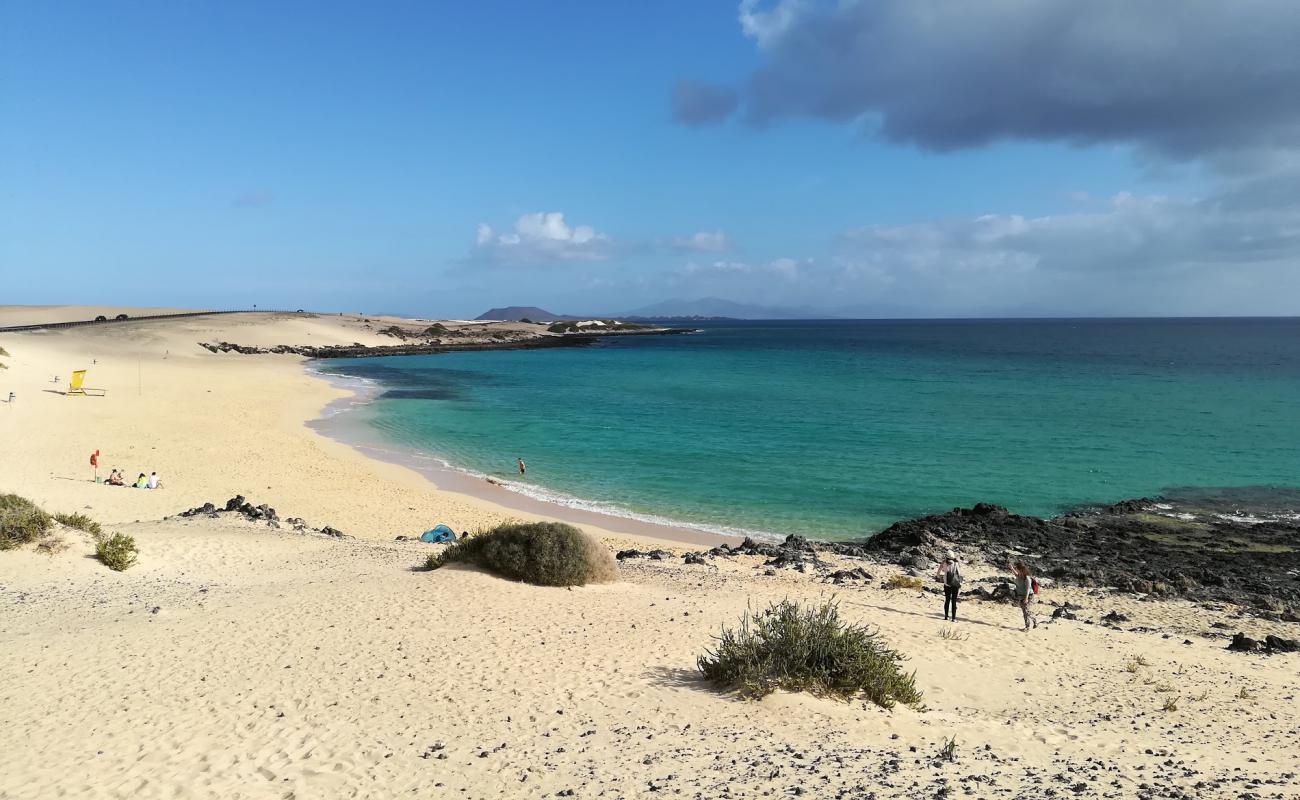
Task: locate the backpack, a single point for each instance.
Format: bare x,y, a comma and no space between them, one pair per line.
1033,584
952,578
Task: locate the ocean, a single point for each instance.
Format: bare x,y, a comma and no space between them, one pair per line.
837,428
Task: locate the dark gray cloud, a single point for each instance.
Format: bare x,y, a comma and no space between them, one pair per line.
1181,78
700,103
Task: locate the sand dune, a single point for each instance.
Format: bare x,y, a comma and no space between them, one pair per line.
237,661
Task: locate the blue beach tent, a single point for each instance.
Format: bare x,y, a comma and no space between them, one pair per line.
439,534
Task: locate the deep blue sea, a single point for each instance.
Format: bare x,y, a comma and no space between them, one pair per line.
837,428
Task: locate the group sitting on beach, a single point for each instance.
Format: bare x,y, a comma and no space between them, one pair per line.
151,481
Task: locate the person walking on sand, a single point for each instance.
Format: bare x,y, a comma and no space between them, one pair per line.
523,468
949,573
1024,593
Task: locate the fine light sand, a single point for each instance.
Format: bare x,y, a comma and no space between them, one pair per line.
237,661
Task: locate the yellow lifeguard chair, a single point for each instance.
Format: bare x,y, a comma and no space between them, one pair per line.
75,386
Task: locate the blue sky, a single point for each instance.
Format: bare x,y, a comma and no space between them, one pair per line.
349,156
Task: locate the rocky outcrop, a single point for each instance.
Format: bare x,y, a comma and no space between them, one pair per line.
257,513
358,350
653,555
432,340
1125,546
1241,643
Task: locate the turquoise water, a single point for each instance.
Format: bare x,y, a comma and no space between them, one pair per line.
839,428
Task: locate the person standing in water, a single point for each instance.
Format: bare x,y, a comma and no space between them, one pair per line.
522,467
950,574
1025,593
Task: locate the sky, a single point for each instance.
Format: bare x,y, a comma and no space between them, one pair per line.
879,158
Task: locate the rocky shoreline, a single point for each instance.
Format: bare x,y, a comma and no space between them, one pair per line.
433,346
1134,546
1138,547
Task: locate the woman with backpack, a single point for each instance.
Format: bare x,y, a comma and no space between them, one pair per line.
950,574
1026,588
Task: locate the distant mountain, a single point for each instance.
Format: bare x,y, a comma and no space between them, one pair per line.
516,313
715,307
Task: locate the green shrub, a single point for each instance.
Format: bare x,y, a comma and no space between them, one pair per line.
948,752
21,521
808,649
542,553
79,521
117,551
904,582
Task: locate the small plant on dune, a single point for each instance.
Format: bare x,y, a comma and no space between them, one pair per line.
541,553
1199,697
953,635
21,521
1141,661
1171,704
52,545
79,521
1245,694
807,649
1132,666
118,552
904,582
1164,688
948,752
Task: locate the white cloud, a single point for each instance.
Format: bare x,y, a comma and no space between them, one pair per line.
767,26
1235,251
541,236
763,272
703,242
1229,253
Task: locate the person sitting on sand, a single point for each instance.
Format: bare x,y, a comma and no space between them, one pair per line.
115,478
950,574
154,482
1024,593
142,482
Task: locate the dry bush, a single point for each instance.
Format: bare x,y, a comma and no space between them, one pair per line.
904,582
52,545
21,521
808,649
541,553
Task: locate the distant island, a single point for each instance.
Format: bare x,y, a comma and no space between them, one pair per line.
521,314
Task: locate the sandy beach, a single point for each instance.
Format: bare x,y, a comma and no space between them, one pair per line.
239,661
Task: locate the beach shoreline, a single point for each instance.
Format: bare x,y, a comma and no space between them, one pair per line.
336,423
237,658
